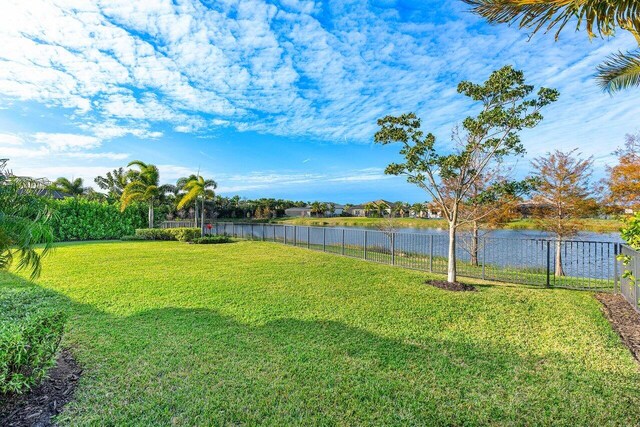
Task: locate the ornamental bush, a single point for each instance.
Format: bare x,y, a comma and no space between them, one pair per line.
631,231
81,219
182,234
212,240
30,333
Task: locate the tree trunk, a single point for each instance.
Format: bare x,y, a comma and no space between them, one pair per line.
474,244
451,264
202,218
559,271
151,214
195,214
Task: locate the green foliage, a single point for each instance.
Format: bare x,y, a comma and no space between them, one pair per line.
24,222
30,332
631,231
212,240
81,219
182,234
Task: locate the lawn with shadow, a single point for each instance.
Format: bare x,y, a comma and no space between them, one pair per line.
258,333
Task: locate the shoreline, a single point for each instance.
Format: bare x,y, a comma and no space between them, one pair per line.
589,224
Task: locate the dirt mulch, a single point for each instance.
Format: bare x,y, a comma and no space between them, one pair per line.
451,286
36,407
624,319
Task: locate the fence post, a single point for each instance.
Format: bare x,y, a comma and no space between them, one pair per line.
324,239
285,234
365,244
484,254
308,237
263,232
548,263
431,254
635,280
615,269
233,229
393,248
295,235
343,241
251,231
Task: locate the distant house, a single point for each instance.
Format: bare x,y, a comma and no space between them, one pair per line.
527,208
357,210
307,211
375,207
302,212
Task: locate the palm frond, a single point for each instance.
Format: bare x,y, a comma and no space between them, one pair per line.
601,16
619,71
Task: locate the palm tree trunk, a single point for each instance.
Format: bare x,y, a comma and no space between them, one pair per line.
202,221
151,214
195,214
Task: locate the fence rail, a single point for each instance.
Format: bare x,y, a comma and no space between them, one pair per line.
629,268
177,224
584,264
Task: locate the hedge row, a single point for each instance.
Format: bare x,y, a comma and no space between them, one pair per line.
185,234
30,333
81,219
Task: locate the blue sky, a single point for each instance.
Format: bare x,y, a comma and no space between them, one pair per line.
274,98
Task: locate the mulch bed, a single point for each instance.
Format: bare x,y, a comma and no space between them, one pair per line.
451,286
36,407
624,319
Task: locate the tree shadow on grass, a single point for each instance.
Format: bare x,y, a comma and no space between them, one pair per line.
196,366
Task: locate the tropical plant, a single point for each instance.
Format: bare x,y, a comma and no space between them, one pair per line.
24,222
485,140
73,187
198,188
114,182
143,186
601,17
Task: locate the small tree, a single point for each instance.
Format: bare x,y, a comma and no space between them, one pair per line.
506,108
622,184
198,189
143,186
562,194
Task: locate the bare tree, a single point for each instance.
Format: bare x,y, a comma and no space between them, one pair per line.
562,195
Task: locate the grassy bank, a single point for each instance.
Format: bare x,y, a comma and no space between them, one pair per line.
595,225
260,333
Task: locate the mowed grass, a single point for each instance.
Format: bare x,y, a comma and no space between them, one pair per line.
259,333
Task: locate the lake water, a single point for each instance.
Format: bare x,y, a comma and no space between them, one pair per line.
588,236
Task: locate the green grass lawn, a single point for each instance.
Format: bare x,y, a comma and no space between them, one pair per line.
260,333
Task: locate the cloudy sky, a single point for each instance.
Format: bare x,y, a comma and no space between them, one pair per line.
274,98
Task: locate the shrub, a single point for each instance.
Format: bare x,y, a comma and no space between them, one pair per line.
631,231
185,234
30,333
82,219
132,238
212,240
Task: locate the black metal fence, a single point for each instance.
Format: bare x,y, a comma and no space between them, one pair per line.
629,268
585,264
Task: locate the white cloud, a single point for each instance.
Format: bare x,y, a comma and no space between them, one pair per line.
298,68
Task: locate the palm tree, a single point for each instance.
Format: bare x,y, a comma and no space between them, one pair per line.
114,182
24,222
201,189
73,188
317,208
602,17
143,186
